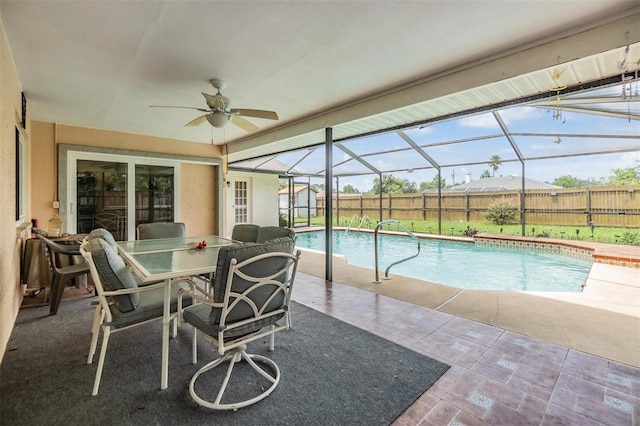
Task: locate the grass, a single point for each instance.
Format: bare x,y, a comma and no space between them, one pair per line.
584,233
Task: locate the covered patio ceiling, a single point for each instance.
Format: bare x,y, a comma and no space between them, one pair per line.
589,106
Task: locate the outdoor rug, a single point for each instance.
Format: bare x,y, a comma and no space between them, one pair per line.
331,374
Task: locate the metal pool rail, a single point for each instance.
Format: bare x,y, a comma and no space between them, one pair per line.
375,244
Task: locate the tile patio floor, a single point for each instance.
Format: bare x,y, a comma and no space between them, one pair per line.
497,377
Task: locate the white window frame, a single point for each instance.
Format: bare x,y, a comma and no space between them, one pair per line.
131,161
21,178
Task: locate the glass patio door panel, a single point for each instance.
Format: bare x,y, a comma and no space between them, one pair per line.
118,192
241,201
155,193
101,197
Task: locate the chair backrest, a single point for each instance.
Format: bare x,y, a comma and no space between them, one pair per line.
253,282
48,254
52,249
109,272
245,232
148,231
105,235
268,233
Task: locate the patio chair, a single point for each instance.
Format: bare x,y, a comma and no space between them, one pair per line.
267,233
153,230
123,303
245,232
61,274
251,296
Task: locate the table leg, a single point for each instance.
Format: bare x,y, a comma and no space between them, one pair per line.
166,322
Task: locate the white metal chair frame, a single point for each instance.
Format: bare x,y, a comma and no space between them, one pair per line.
233,349
103,316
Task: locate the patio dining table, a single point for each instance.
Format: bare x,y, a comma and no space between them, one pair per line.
170,259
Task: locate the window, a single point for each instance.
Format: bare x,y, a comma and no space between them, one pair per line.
21,167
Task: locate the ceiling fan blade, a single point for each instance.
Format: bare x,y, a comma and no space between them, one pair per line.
244,124
215,102
257,113
197,121
173,106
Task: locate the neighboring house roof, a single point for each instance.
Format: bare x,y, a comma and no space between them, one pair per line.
502,183
296,189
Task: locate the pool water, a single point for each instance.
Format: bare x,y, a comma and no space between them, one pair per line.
458,264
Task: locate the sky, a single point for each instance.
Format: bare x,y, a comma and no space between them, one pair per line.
535,131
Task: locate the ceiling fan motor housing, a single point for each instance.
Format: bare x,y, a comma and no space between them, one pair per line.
218,119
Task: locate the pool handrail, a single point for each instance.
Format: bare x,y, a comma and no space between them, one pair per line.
365,217
375,248
354,217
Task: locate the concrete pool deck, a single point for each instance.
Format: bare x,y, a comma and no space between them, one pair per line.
603,320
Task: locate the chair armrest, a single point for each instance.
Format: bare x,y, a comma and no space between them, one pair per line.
142,288
68,247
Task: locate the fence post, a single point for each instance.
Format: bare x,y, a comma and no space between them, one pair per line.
587,211
466,206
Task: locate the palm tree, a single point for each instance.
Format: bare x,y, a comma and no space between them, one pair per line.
494,163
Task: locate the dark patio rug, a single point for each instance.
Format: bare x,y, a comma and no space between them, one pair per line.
331,374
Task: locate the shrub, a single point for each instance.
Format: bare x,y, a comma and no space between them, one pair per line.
501,213
630,237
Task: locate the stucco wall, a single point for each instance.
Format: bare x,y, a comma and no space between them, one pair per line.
11,233
199,182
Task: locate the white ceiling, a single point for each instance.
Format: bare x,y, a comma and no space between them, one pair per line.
100,64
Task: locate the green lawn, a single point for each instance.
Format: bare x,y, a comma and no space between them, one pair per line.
604,235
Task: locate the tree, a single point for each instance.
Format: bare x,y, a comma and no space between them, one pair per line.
318,186
348,189
572,181
628,176
494,163
393,185
433,184
485,174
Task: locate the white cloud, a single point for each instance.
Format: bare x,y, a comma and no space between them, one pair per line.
482,121
509,116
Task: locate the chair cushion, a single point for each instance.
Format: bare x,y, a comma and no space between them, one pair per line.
199,316
104,234
148,231
114,273
242,252
151,305
245,232
268,233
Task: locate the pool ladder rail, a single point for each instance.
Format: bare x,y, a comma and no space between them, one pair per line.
356,217
375,242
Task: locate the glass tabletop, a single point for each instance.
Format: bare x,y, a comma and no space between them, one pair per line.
172,257
172,244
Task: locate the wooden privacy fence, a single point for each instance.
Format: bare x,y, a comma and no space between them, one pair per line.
614,206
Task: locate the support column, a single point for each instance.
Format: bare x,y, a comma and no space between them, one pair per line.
328,190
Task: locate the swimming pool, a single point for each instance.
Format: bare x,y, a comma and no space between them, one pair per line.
458,264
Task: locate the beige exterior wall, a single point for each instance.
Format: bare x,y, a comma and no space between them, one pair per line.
12,234
199,182
47,136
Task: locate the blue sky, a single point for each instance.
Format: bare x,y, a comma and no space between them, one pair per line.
587,145
596,137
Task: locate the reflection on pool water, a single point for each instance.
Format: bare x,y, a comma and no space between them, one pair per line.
458,264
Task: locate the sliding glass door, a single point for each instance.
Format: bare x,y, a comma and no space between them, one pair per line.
101,197
119,192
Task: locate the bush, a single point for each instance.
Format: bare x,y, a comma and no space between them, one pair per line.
630,237
284,220
501,213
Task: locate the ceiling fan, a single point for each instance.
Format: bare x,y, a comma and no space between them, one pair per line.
219,113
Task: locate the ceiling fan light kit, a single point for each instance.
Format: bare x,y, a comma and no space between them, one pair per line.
219,113
218,119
